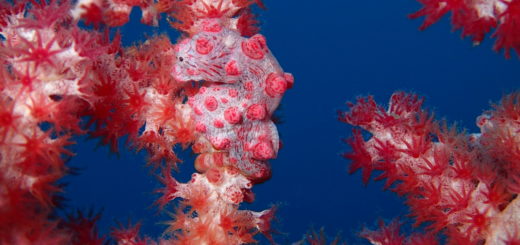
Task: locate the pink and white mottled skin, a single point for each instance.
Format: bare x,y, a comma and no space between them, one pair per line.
242,86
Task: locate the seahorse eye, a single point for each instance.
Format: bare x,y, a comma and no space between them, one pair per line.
181,59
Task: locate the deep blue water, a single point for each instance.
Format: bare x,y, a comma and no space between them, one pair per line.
336,50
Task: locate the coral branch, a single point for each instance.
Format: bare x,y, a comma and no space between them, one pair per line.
462,185
476,19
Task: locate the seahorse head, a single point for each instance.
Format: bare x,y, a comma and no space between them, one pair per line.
203,57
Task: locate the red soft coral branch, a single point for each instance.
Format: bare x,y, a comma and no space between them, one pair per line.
463,186
476,19
389,234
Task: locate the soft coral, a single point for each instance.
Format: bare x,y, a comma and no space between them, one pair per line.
449,181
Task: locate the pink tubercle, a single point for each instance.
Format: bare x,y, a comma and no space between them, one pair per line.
211,103
263,151
203,46
249,86
220,143
289,78
256,112
233,93
232,68
200,127
232,115
275,85
218,123
255,47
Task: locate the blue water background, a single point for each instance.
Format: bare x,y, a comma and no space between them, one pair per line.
336,50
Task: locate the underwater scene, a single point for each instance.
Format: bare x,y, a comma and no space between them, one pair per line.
268,122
